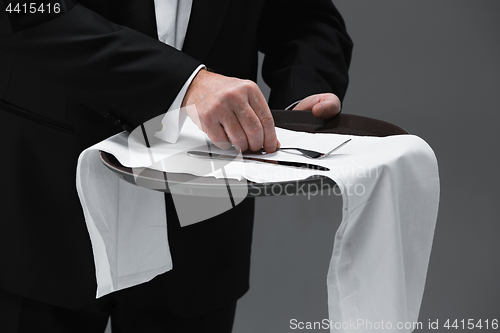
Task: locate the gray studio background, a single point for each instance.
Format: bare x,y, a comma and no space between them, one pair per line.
433,68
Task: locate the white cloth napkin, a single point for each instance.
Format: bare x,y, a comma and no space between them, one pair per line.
126,223
390,191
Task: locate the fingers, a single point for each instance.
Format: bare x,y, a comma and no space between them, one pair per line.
308,103
323,106
247,101
327,108
259,106
218,135
235,132
234,110
230,109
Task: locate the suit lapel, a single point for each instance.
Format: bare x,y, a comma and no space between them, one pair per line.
204,24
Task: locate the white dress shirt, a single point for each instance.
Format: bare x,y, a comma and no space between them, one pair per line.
172,19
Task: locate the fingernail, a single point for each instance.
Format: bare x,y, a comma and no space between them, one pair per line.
322,110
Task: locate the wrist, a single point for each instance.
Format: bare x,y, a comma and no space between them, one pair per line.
202,73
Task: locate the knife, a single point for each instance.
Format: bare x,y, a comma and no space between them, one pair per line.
217,156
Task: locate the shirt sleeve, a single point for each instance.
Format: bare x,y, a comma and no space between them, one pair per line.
176,116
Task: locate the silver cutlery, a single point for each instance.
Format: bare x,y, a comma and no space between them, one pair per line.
316,155
217,156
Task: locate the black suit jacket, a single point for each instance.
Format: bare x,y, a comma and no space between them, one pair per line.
67,82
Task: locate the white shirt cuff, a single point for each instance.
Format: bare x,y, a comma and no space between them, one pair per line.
175,116
291,106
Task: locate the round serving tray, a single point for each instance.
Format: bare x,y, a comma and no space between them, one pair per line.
293,120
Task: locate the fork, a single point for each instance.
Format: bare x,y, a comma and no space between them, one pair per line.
315,154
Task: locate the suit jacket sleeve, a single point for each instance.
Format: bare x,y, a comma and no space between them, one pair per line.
109,67
307,50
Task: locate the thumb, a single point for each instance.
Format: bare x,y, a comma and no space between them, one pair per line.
323,106
308,103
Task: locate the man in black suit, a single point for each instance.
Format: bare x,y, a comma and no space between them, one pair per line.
71,79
